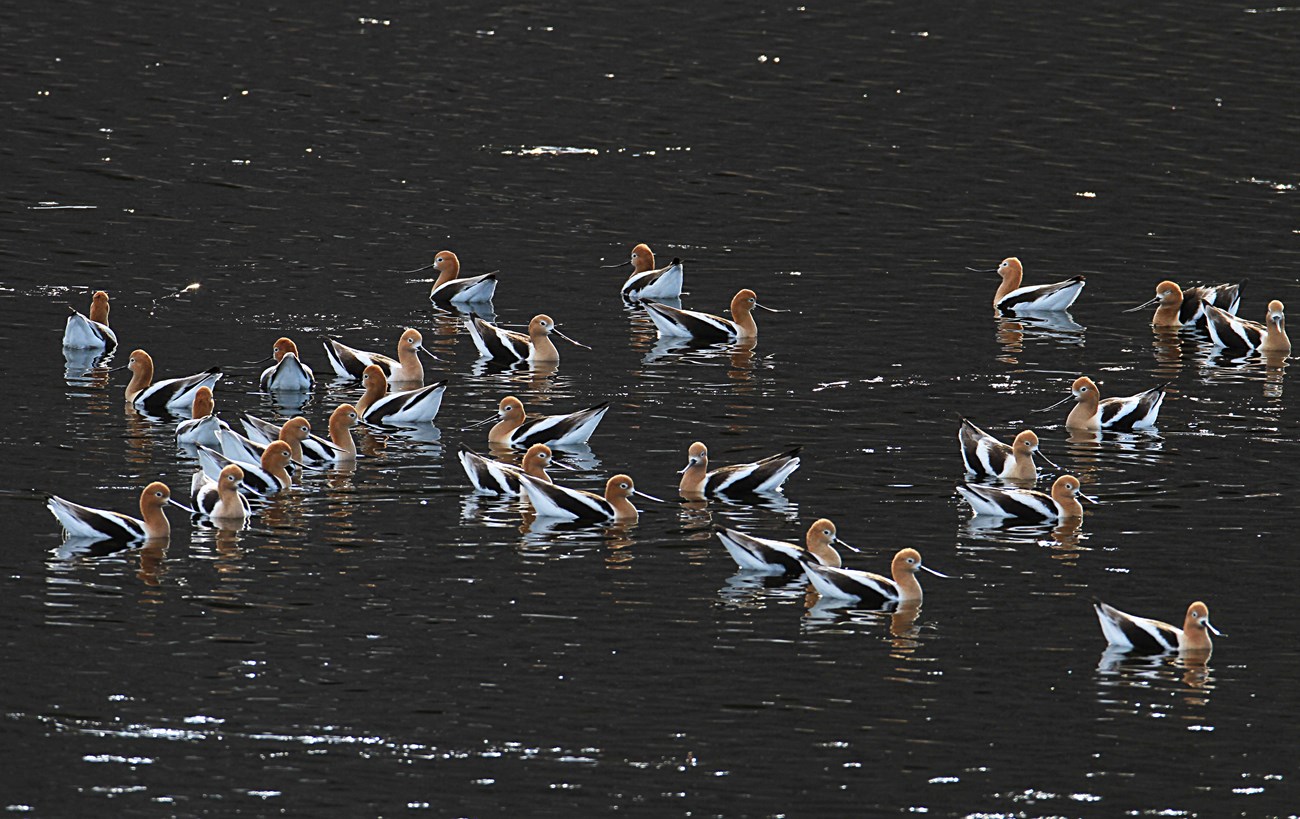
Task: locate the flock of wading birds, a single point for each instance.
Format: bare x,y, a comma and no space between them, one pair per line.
261,461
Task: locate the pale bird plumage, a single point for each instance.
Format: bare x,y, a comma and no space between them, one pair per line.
1029,504
767,556
1012,297
91,332
873,590
1147,636
90,523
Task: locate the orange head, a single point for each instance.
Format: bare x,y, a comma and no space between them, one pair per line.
203,403
283,347
643,259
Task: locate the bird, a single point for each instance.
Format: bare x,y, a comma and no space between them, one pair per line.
157,398
647,282
221,499
778,557
551,500
867,587
379,406
339,447
100,524
288,374
673,322
1091,412
202,426
450,289
499,478
295,432
1153,636
1184,308
766,475
266,477
506,345
1062,503
1010,296
515,429
349,362
1227,330
91,333
987,457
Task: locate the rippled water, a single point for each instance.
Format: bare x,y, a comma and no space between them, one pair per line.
384,641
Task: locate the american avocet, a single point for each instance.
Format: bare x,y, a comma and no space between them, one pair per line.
1153,636
379,406
100,524
1226,330
672,322
987,457
294,432
91,333
220,499
288,373
315,450
498,478
507,345
515,429
759,554
1061,504
1011,296
1179,308
766,475
202,427
1092,412
647,282
265,478
172,393
450,289
343,446
550,500
870,588
349,362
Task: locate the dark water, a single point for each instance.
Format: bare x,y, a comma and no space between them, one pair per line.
387,643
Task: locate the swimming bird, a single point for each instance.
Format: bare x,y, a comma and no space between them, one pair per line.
994,501
1011,296
647,282
867,587
987,457
1227,330
157,398
220,499
507,345
1153,636
339,447
100,524
499,478
202,427
778,557
91,333
288,374
1092,412
515,429
266,477
450,289
1180,308
672,322
766,475
294,432
379,406
349,362
551,500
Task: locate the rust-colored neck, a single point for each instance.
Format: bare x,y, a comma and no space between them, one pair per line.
99,308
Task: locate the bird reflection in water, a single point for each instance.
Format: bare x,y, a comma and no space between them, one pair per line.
754,590
139,441
1065,537
1013,331
1119,668
87,368
1167,346
831,615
